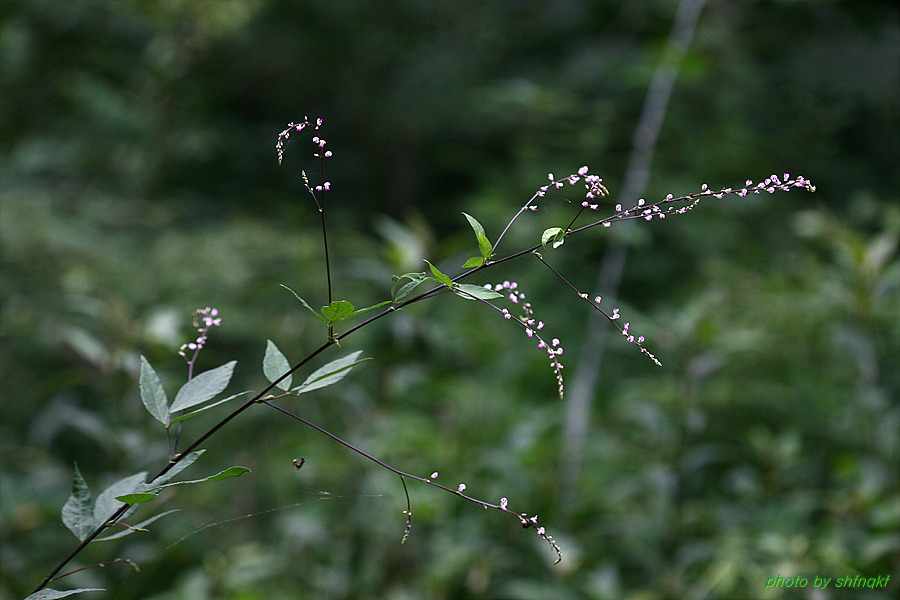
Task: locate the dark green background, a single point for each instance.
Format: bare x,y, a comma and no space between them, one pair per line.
139,182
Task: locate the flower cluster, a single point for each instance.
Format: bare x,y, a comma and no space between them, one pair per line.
531,325
317,139
203,320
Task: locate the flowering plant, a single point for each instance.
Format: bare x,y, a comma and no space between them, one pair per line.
90,519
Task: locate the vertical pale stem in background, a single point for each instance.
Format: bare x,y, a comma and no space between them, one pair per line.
581,391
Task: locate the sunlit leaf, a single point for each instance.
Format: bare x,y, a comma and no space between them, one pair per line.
275,365
440,277
484,245
475,261
407,288
337,311
152,393
557,234
203,387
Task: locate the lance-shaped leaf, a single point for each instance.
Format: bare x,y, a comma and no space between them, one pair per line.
51,594
330,373
275,365
304,303
151,493
203,387
152,393
484,245
467,290
439,276
404,290
78,512
194,413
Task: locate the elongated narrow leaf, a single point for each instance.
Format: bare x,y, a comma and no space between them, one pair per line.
330,373
107,504
304,303
414,280
484,245
467,290
337,311
275,365
152,393
51,594
151,493
194,413
203,387
78,512
359,311
440,277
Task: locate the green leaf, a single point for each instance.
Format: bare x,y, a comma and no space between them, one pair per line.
77,512
131,529
151,493
51,594
203,387
107,504
557,234
475,261
152,393
337,311
407,288
275,365
484,245
330,373
440,277
359,311
304,303
467,290
194,413
137,498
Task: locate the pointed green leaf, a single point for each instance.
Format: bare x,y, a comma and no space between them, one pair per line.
467,290
152,393
107,504
77,512
407,288
337,311
194,413
203,387
440,277
137,498
304,303
51,594
484,245
475,261
330,373
359,311
275,365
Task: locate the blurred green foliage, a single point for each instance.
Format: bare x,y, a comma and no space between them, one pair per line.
139,182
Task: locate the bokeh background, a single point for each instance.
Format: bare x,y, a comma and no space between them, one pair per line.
138,182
